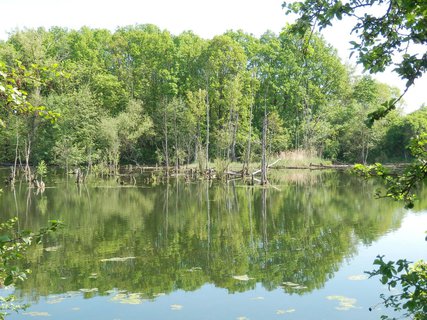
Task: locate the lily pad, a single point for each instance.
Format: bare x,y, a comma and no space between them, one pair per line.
128,298
176,307
55,300
281,311
345,303
37,314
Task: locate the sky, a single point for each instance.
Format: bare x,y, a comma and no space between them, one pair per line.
205,18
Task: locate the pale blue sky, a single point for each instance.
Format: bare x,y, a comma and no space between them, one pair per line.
205,18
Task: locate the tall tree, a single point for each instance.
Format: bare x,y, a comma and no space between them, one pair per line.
389,32
395,27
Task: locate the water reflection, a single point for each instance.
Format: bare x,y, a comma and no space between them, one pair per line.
152,240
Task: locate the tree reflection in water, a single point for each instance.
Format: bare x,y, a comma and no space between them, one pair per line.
180,236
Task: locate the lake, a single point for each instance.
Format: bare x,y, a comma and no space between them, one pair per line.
209,250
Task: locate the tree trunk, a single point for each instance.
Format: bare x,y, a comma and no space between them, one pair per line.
165,131
89,163
207,124
197,142
233,138
176,140
12,182
264,180
248,151
27,159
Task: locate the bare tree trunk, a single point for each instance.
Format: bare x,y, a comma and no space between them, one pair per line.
27,159
176,140
233,138
230,134
13,178
297,140
89,163
248,151
197,142
165,130
307,131
66,167
366,155
228,150
188,153
365,151
207,123
264,180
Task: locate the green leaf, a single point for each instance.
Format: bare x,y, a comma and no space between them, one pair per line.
8,280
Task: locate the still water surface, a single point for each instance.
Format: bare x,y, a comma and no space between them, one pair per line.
202,250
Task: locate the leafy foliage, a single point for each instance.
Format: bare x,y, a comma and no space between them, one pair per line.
389,32
13,248
41,169
402,186
118,93
13,98
410,280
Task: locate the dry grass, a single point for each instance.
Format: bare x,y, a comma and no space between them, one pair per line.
301,158
294,158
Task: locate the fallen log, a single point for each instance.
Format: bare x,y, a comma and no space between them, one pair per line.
269,166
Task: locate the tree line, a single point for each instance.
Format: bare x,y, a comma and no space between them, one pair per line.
142,95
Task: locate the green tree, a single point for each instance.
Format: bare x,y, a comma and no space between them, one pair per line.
400,132
14,242
134,125
196,102
400,26
363,142
243,78
224,60
76,131
380,37
389,33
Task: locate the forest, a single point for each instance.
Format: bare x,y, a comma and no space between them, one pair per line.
141,95
98,99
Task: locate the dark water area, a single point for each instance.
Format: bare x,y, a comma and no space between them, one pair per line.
208,250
